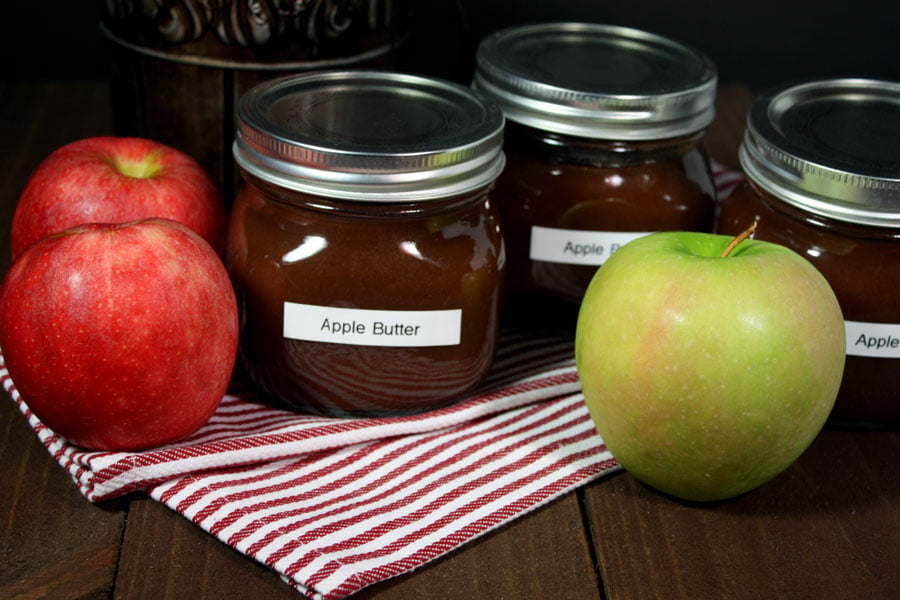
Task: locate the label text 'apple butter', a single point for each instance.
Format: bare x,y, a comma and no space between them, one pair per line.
576,246
880,340
335,327
365,327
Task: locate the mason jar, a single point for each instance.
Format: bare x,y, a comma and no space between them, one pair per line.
603,144
364,246
822,160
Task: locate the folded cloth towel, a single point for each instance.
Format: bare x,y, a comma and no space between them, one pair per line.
335,505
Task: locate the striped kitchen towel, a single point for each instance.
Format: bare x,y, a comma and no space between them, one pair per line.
725,179
335,505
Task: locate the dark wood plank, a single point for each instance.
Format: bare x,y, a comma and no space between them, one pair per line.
543,555
53,542
828,527
166,556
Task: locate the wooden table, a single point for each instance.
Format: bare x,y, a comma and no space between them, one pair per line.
829,527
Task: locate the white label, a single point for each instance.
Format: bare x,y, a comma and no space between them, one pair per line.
362,327
577,247
881,340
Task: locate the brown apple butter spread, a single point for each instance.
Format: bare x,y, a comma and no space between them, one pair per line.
823,168
364,246
603,145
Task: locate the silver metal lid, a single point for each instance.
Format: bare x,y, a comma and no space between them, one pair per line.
830,147
597,81
369,136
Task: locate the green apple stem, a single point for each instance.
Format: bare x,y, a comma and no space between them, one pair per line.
738,239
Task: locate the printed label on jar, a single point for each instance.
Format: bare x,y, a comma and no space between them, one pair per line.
879,340
363,327
577,247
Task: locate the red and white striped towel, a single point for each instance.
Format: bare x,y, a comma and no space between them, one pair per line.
335,505
726,179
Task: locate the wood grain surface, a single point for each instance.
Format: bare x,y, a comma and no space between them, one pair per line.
829,527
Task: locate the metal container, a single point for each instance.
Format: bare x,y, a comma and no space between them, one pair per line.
178,68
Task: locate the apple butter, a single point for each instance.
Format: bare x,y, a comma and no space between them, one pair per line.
603,136
364,245
823,178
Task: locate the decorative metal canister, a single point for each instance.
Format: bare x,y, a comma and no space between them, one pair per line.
822,159
603,139
365,247
178,67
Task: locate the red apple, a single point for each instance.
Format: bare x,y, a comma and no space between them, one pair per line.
120,336
117,180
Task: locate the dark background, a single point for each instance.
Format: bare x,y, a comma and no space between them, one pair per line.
760,43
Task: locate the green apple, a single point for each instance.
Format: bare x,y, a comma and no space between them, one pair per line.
708,364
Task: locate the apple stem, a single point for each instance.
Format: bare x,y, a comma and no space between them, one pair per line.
738,239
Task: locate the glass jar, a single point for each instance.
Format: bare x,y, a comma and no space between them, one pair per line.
823,178
364,245
603,136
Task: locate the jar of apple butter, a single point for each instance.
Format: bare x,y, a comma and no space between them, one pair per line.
822,160
603,136
364,246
